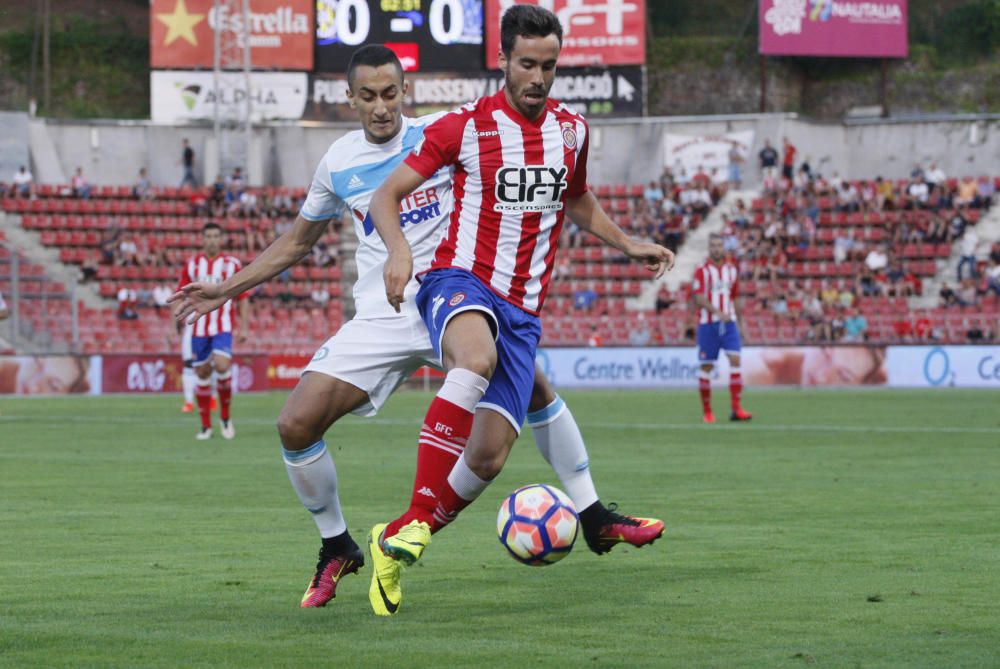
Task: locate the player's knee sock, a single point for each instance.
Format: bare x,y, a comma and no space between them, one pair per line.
446,428
705,389
735,386
224,384
559,441
314,478
203,393
187,383
460,490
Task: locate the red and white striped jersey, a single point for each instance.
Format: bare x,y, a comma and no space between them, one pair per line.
202,269
511,180
720,285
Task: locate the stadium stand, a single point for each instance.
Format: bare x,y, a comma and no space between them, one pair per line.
813,260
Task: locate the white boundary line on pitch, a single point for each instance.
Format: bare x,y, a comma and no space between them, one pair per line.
753,426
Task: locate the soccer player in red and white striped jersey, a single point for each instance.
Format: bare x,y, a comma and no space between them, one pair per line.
212,340
519,163
714,290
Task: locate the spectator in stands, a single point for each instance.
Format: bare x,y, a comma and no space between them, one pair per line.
700,200
143,189
993,276
949,298
128,252
828,294
4,311
918,194
878,258
855,327
740,216
974,334
867,196
986,191
843,244
935,176
217,199
912,285
813,311
967,296
779,306
248,203
89,267
734,167
968,192
969,244
78,183
768,165
653,194
787,160
664,299
868,285
160,295
848,198
562,270
639,335
187,161
894,279
110,239
585,298
594,341
236,183
23,183
846,297
917,172
319,294
127,301
885,196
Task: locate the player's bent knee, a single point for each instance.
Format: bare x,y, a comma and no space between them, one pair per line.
486,466
296,430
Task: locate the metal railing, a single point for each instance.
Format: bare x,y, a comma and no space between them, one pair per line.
43,314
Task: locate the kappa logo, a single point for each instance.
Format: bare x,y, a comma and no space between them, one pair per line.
456,299
489,133
427,492
355,183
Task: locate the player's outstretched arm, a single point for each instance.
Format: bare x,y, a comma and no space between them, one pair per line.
587,213
197,299
384,210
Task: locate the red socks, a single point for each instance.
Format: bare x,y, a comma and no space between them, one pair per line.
735,388
203,394
705,389
446,428
224,384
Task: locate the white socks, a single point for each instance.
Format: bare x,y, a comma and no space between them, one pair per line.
559,441
463,388
314,478
188,377
464,481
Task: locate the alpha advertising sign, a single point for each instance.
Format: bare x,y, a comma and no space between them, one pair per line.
596,92
182,33
849,28
182,96
595,32
427,35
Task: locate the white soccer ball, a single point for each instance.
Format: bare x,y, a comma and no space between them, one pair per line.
537,524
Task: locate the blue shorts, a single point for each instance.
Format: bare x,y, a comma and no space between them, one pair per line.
715,336
445,293
202,348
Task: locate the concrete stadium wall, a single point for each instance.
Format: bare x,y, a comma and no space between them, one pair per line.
627,151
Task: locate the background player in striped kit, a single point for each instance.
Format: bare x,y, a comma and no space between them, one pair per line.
518,161
715,289
212,338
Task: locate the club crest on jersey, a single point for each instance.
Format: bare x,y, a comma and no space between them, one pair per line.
569,135
533,188
456,299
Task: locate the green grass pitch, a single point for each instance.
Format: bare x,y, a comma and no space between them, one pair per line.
838,529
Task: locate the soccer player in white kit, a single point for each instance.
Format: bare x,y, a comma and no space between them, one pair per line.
357,369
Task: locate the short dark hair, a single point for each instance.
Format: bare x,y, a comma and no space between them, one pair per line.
373,55
527,21
211,225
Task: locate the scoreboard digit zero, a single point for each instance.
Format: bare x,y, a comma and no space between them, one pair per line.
427,35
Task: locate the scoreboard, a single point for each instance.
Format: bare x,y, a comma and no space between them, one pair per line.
427,35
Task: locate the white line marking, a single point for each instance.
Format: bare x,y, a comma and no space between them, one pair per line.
756,426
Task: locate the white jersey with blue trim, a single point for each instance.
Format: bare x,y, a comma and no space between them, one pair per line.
347,176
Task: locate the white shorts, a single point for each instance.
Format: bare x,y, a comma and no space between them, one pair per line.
376,355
